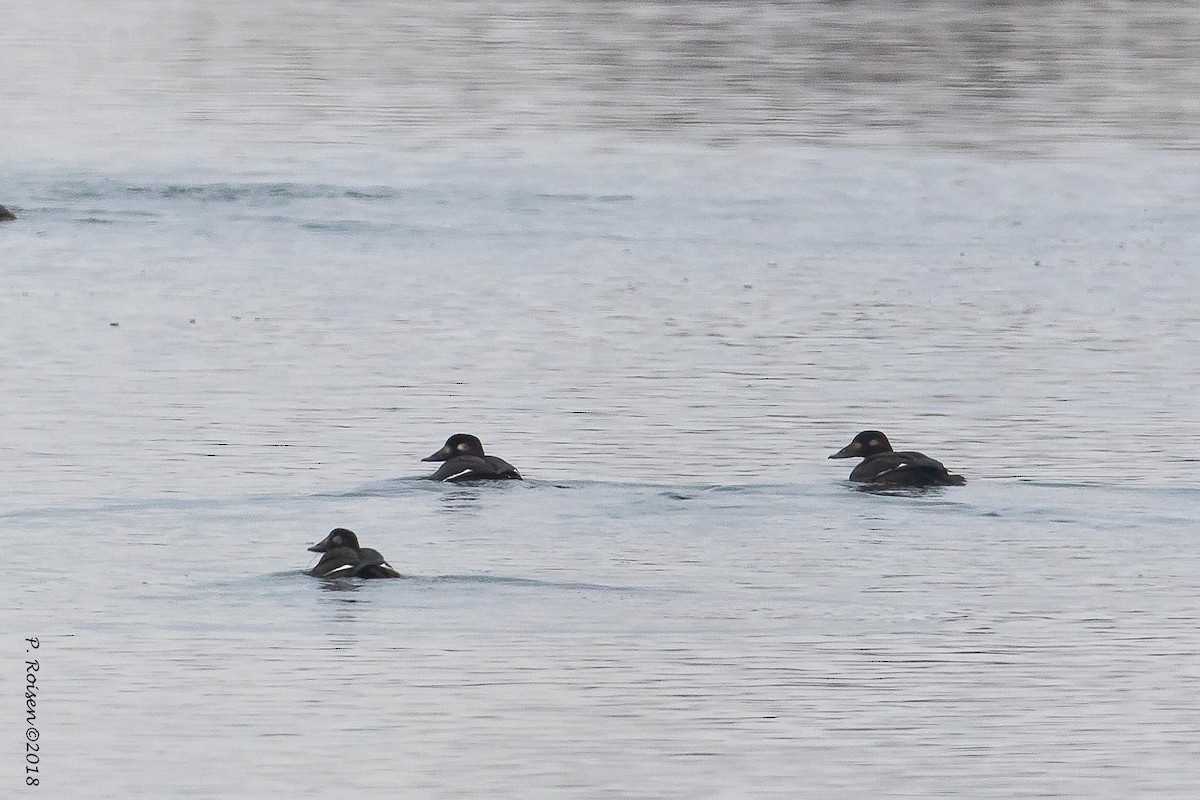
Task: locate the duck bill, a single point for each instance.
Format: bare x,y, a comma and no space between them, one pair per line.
849,451
440,455
321,546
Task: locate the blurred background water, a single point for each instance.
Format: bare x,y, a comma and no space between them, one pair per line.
664,257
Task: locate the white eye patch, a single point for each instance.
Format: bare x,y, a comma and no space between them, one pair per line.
461,447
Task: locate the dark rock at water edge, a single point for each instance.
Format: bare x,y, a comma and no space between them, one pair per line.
6,215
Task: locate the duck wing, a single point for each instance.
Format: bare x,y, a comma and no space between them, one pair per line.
904,469
501,468
338,563
468,467
372,564
459,468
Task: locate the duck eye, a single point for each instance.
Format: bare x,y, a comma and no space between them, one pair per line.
337,539
461,446
873,443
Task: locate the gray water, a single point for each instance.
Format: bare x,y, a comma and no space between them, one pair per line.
665,258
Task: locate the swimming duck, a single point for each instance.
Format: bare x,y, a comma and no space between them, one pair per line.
343,558
466,461
883,467
6,215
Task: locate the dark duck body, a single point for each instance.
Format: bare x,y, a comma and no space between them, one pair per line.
882,466
466,461
343,558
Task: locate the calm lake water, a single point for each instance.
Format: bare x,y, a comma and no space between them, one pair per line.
664,258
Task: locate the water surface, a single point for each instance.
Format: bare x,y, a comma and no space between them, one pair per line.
664,258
